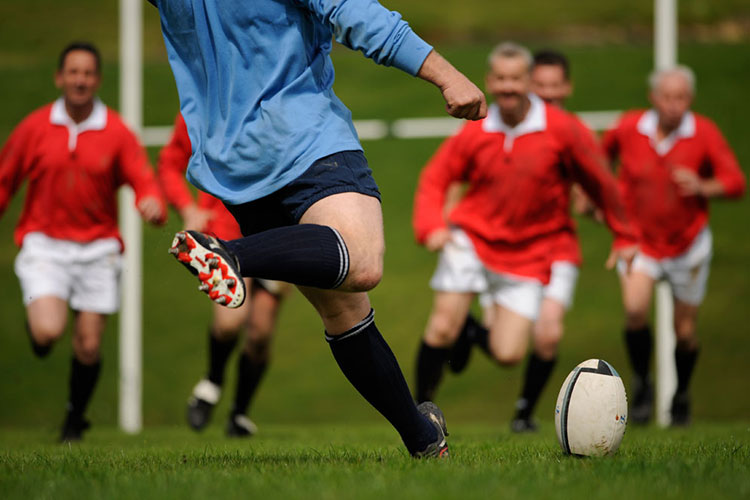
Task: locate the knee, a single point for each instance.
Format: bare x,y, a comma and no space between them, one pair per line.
441,331
547,338
258,349
45,333
365,276
635,318
87,349
507,356
685,332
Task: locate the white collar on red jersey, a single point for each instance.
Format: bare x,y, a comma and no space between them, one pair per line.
97,120
649,121
534,121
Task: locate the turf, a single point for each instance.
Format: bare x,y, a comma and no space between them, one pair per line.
366,461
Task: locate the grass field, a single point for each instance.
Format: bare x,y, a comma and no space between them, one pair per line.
364,461
318,437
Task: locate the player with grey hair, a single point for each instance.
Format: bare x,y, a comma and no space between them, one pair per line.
672,161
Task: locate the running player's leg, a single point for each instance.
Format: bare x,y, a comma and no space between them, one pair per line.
226,326
46,318
637,292
358,347
256,353
84,371
449,311
547,333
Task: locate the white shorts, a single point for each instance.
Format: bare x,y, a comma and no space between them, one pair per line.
562,283
460,270
687,273
86,275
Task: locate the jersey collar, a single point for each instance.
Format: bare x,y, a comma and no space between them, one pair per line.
97,120
534,121
648,123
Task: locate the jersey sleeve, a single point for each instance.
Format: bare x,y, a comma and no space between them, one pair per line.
135,170
380,34
14,162
724,165
590,169
611,143
171,166
447,166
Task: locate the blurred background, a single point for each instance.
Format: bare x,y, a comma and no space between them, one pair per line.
610,48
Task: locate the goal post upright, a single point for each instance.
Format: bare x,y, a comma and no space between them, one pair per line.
665,56
131,309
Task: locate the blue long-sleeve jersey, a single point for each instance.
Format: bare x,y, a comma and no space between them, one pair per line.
255,83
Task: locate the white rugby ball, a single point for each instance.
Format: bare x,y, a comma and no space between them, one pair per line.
591,410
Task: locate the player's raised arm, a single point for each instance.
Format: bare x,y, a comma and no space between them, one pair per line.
387,39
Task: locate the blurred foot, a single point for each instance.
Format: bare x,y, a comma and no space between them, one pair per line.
520,425
643,401
201,404
241,426
73,427
680,410
438,449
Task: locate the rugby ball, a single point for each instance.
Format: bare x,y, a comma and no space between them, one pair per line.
591,410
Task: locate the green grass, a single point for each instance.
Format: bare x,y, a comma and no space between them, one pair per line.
367,461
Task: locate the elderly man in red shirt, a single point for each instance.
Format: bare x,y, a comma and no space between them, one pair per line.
76,153
501,237
672,160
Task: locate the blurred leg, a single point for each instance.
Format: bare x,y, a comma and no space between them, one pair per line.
46,319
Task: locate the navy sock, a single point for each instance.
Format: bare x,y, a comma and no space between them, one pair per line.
685,362
83,379
249,374
538,371
639,343
219,351
430,365
369,364
304,254
479,334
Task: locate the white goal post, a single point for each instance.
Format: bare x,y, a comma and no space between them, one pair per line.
131,108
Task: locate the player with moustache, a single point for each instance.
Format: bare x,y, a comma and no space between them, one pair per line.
504,234
75,154
672,161
274,143
256,318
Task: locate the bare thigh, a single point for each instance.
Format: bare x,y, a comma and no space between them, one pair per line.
637,292
47,317
87,335
449,310
509,336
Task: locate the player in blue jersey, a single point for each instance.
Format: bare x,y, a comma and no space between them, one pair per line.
272,140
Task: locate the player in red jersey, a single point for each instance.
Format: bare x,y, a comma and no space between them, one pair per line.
672,161
256,317
503,235
550,80
75,153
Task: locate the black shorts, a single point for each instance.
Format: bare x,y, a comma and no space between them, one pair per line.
342,172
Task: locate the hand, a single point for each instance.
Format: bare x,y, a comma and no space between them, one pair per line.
437,239
688,182
463,99
194,218
150,209
626,254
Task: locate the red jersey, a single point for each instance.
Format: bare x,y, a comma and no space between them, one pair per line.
173,161
666,221
517,208
74,172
